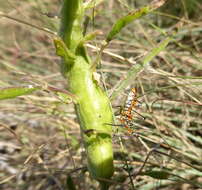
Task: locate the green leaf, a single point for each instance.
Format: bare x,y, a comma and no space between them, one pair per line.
122,22
89,37
132,74
62,50
125,20
155,51
12,92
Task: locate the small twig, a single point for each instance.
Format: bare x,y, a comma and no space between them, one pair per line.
28,24
144,163
115,56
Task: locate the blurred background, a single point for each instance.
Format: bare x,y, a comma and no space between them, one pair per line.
40,143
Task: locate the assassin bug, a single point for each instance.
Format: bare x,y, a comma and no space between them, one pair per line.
127,113
148,166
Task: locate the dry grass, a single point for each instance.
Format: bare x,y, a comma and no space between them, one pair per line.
39,135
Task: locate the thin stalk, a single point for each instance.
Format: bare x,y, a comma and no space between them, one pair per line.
92,105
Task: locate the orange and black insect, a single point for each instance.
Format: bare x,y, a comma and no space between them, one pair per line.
127,113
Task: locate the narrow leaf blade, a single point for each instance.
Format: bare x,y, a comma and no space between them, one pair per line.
12,92
132,74
122,22
125,20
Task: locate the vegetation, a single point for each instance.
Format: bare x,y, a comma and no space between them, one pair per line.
152,47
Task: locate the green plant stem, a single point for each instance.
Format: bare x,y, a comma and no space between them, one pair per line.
92,105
